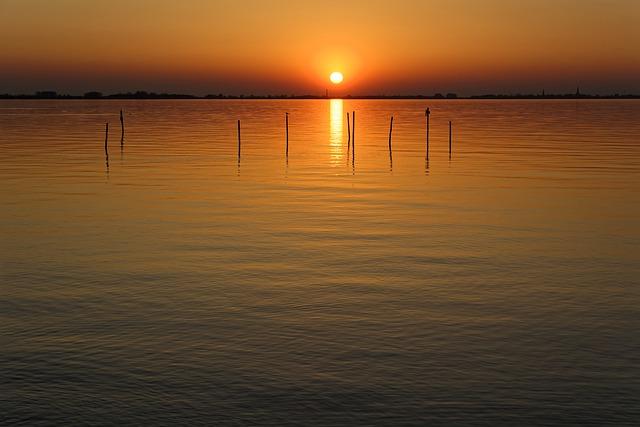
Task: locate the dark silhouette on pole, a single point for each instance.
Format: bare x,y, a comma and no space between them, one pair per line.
449,139
239,142
427,113
286,121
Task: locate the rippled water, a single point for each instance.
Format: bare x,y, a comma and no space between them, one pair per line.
179,285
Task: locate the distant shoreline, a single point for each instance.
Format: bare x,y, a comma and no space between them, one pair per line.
51,95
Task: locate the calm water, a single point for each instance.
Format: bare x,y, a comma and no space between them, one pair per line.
180,286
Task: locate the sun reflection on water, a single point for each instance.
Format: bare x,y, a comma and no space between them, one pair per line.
335,130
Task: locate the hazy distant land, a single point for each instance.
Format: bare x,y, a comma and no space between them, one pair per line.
153,95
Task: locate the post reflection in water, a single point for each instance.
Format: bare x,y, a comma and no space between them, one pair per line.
335,130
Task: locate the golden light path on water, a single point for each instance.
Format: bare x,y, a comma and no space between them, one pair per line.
335,130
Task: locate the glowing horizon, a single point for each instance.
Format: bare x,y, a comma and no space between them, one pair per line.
249,46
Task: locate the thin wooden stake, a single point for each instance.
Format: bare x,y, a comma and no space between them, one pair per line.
390,130
427,113
286,120
239,144
348,131
106,146
449,139
390,151
122,126
353,138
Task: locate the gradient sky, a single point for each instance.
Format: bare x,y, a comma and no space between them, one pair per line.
284,46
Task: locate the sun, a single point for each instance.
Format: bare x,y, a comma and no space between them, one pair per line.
336,77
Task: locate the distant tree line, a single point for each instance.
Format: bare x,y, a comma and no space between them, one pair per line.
153,95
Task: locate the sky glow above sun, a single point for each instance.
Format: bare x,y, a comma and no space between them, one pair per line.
278,46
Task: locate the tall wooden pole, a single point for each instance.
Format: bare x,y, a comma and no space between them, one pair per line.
390,151
427,113
286,121
449,139
390,131
122,126
348,131
353,138
239,144
106,146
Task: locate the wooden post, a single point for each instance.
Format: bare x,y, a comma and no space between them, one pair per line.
122,126
390,130
353,137
427,113
348,131
286,121
106,146
239,140
390,151
449,139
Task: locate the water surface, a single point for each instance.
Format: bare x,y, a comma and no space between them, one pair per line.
180,284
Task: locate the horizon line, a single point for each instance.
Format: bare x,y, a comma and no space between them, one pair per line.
141,94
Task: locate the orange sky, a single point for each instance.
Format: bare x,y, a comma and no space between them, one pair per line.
280,46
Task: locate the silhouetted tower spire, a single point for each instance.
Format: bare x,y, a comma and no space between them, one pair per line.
578,91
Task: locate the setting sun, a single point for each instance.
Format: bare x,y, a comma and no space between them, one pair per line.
336,77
